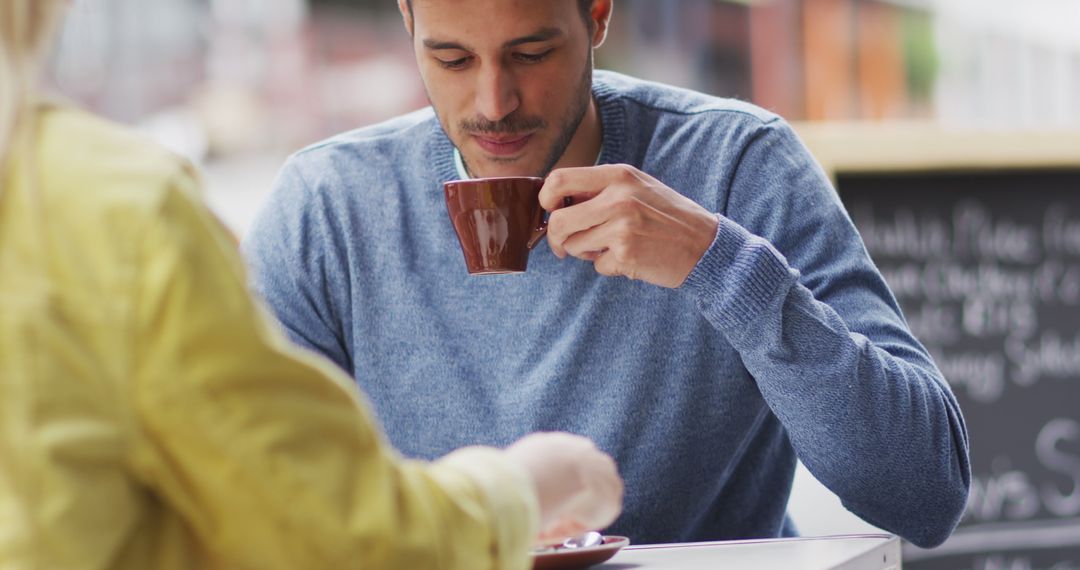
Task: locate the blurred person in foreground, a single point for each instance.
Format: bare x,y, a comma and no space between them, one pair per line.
705,311
151,416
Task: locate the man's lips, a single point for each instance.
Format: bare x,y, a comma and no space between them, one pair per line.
502,146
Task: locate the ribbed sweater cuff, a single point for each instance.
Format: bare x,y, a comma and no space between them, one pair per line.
738,277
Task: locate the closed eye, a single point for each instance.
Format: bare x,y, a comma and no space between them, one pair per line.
533,57
454,64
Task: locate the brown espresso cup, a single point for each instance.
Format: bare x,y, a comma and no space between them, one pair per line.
497,220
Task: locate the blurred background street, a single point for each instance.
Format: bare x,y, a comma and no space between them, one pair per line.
236,85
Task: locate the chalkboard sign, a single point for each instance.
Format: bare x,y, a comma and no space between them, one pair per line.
986,267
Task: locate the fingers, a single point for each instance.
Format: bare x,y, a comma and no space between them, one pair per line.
598,500
628,225
612,245
567,223
578,486
598,194
614,233
587,513
607,265
560,530
585,182
603,501
581,184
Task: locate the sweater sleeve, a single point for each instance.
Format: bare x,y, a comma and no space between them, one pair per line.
270,454
789,283
296,269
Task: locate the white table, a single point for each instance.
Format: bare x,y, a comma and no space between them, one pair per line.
847,552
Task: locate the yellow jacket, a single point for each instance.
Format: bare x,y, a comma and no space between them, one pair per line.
152,417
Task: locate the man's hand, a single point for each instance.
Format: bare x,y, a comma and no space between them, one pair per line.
626,223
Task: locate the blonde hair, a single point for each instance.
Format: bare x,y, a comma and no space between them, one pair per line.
25,27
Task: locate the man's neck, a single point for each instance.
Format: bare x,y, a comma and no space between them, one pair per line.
584,147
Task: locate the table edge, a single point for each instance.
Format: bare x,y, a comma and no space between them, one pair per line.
884,538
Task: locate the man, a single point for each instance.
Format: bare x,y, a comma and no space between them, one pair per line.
748,327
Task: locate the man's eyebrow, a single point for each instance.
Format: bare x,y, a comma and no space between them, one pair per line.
541,35
436,44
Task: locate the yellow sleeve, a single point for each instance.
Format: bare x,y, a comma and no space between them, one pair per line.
269,454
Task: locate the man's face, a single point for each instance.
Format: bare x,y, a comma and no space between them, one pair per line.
510,80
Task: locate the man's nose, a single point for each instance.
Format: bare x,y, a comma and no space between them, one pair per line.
497,93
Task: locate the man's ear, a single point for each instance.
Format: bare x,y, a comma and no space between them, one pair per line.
406,15
601,17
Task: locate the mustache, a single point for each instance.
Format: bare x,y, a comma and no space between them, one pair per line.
510,124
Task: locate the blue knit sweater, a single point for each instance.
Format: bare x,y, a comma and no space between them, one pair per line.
784,341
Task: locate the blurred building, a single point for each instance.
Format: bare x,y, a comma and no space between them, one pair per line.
805,59
1008,64
238,84
220,77
974,63
127,59
285,72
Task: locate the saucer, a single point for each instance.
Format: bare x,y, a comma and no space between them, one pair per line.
579,558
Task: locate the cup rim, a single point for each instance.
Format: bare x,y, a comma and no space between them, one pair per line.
492,179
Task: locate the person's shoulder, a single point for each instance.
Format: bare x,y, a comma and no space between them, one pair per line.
651,97
106,186
90,163
400,136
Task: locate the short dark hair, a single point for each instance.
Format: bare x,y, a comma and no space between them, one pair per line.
584,6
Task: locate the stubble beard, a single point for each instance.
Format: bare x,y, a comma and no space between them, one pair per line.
573,119
514,123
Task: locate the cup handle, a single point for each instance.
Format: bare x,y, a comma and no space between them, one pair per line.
539,233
